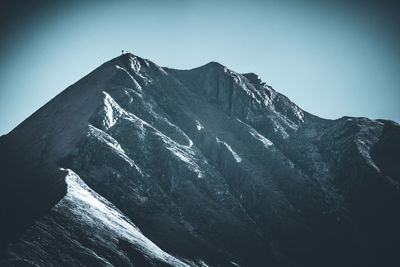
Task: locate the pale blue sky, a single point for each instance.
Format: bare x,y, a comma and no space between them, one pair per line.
330,59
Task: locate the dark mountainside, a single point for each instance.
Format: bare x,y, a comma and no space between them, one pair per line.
214,167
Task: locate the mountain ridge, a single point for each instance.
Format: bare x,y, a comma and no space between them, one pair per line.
213,166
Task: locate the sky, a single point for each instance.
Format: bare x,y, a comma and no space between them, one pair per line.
332,58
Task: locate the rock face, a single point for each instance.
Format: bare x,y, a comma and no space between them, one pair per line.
214,167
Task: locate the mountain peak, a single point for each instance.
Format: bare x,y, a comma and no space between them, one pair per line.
214,64
210,164
211,66
252,77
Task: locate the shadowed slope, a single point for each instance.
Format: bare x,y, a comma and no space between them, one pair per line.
213,166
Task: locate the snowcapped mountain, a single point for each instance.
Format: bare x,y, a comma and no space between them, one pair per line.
141,165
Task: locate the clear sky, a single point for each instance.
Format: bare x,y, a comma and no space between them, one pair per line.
332,58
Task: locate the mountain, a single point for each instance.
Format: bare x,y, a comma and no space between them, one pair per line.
142,165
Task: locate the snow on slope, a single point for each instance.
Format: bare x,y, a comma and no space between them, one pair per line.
141,136
234,154
90,208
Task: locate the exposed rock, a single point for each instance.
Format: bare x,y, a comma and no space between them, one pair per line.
214,167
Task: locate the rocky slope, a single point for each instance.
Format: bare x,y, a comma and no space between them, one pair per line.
214,167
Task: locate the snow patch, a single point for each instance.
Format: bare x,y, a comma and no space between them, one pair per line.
112,110
113,144
199,126
365,142
190,143
151,109
137,68
135,64
267,143
137,85
278,127
299,113
92,209
234,154
184,153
